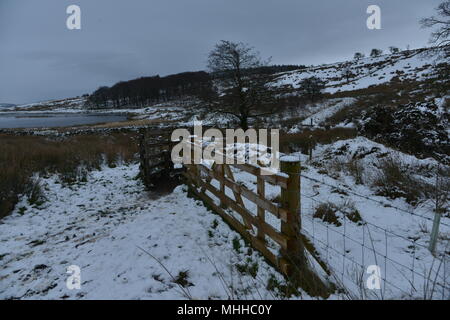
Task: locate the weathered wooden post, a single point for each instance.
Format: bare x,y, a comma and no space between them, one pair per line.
290,199
261,189
294,263
221,171
311,147
189,162
434,233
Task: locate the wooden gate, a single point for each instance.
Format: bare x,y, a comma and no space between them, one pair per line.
217,187
252,225
155,161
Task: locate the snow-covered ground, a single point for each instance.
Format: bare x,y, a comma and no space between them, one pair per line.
391,234
101,225
321,112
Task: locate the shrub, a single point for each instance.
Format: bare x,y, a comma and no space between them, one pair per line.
419,128
327,213
394,181
304,140
356,170
182,279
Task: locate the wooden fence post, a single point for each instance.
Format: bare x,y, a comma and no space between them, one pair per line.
294,262
261,189
192,168
221,171
290,199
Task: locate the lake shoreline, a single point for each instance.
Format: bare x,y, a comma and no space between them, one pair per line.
25,120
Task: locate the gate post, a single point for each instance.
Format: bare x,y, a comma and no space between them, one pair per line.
290,199
294,263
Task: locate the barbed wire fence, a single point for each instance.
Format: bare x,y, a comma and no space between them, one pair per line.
410,273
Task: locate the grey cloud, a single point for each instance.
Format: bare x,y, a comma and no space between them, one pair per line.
40,59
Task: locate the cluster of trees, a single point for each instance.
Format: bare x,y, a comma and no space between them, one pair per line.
376,52
148,90
312,88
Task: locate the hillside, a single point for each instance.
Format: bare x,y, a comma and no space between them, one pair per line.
7,105
371,71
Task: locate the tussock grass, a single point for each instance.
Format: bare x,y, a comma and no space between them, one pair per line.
302,141
327,212
333,213
71,157
394,181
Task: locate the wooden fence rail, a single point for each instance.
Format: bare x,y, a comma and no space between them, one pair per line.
215,184
154,151
254,227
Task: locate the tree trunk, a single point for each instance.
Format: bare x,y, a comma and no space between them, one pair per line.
244,123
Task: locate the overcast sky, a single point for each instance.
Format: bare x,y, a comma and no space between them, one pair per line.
41,59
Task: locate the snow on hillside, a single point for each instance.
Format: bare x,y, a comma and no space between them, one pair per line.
388,235
365,72
61,105
7,105
318,113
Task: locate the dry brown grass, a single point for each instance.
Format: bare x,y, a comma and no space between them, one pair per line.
21,156
394,181
131,123
302,141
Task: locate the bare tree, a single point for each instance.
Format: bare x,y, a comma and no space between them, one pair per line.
441,22
347,72
358,56
376,53
241,90
394,50
312,88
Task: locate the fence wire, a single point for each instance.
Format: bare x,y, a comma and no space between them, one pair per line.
434,284
369,198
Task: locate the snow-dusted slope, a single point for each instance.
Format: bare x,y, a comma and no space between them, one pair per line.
62,105
364,72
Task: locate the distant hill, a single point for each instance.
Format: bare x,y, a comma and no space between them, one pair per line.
411,65
7,105
150,90
347,78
